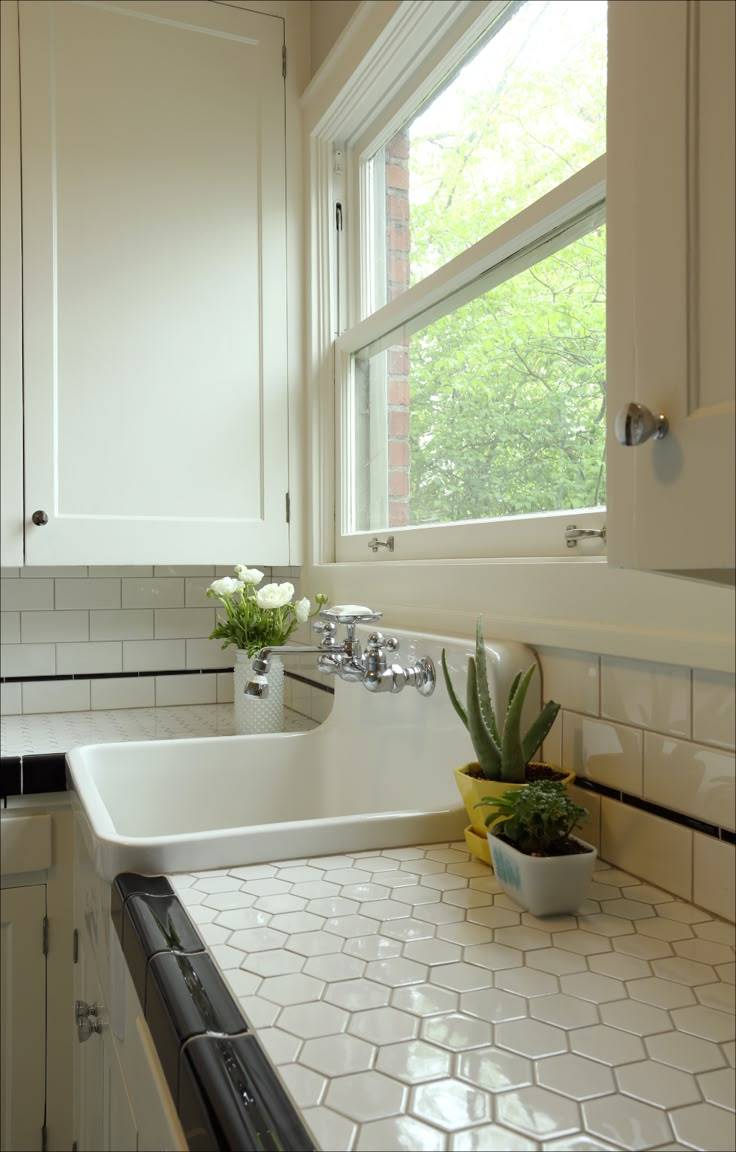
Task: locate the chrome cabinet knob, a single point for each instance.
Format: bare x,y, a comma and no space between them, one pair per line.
39,518
635,424
87,1020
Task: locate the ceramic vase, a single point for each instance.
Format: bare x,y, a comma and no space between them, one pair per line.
254,716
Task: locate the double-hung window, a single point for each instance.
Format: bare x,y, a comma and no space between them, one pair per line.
471,370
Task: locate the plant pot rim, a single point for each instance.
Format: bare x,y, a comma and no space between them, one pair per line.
546,861
564,773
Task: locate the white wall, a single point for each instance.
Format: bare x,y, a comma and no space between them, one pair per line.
329,17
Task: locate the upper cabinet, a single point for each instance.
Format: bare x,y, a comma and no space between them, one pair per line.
671,281
154,283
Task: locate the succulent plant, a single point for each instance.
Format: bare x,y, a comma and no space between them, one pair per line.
502,752
538,820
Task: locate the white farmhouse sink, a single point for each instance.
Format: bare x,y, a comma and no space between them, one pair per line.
376,774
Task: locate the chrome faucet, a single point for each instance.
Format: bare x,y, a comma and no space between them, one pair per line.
347,660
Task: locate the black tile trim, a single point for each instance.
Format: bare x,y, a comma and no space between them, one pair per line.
11,778
657,810
30,775
227,1091
112,675
311,683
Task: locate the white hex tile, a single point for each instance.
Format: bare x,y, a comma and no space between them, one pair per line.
444,881
704,951
448,855
704,1126
330,863
416,894
439,914
267,887
334,1133
306,1087
337,1055
626,1122
527,982
224,900
631,909
329,906
493,917
689,1053
465,934
564,1011
556,961
492,1138
607,1045
576,1077
243,983
334,966
403,853
285,903
366,1096
456,1031
433,951
258,1012
377,864
310,1020
214,933
494,1005
348,926
295,988
384,909
361,893
253,872
531,1038
717,930
590,986
356,995
460,977
218,884
393,880
584,943
226,956
314,943
399,1132
661,929
424,999
277,962
304,875
580,1142
494,1069
372,947
720,996
407,929
257,940
414,1061
282,1047
686,913
315,890
620,967
451,1105
718,1088
494,956
468,898
641,1019
657,1084
707,1023
343,876
727,973
293,922
383,1025
605,925
683,971
537,1112
643,947
662,993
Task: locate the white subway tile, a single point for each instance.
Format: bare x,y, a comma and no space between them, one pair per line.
153,593
607,753
28,660
126,692
714,708
50,627
552,747
132,570
88,658
183,623
52,573
56,696
18,595
9,627
185,570
321,705
209,654
224,687
90,593
570,678
647,846
10,700
690,778
122,624
186,690
153,655
301,697
650,695
714,875
195,592
590,829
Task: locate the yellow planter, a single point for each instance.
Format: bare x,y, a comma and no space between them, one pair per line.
473,789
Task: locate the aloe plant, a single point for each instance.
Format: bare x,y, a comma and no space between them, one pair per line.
502,752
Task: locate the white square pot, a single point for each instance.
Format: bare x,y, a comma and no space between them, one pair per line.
544,885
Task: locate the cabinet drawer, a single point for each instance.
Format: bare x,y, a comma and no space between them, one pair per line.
25,844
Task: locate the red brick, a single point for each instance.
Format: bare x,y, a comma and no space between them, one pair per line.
396,177
398,147
398,423
398,453
398,390
398,269
397,207
397,239
398,513
398,482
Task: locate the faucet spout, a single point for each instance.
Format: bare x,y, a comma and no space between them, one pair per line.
261,664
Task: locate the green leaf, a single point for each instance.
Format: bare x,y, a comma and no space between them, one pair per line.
451,691
485,749
538,730
484,696
513,763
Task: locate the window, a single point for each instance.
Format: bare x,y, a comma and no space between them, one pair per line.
473,382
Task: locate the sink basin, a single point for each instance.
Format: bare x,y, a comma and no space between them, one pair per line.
376,774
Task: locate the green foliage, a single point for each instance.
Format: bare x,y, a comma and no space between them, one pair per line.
501,751
508,393
244,623
538,819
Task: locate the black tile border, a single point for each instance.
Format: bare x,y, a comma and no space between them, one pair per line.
225,1088
146,674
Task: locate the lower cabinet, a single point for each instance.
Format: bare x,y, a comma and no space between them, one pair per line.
23,1015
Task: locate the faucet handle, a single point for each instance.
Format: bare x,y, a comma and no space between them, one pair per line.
377,640
349,614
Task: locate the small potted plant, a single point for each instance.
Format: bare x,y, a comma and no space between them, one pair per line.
540,864
252,618
505,758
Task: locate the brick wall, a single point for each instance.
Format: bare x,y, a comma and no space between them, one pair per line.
398,244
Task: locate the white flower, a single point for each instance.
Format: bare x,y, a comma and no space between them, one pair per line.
274,595
302,608
224,587
248,575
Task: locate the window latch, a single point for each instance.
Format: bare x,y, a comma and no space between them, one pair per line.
573,534
375,544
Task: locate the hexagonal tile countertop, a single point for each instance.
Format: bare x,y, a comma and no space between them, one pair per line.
409,1004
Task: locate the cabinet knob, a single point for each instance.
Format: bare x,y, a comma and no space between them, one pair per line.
40,518
635,424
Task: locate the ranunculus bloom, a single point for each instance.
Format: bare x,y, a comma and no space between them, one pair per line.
302,609
226,586
248,575
274,595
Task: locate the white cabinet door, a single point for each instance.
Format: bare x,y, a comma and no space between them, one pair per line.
90,1065
154,228
11,351
671,280
22,1018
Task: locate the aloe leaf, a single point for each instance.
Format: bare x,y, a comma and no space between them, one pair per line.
451,691
513,763
539,729
484,696
513,689
485,749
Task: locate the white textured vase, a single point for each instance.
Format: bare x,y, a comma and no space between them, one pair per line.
253,715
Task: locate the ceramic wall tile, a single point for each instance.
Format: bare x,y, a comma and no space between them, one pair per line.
647,846
606,753
208,654
128,692
650,695
26,595
10,700
105,656
153,593
97,592
56,696
153,655
186,690
28,659
570,678
9,627
123,624
714,708
183,623
714,870
53,627
690,778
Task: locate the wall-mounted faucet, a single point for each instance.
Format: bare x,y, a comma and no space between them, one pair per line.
346,659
